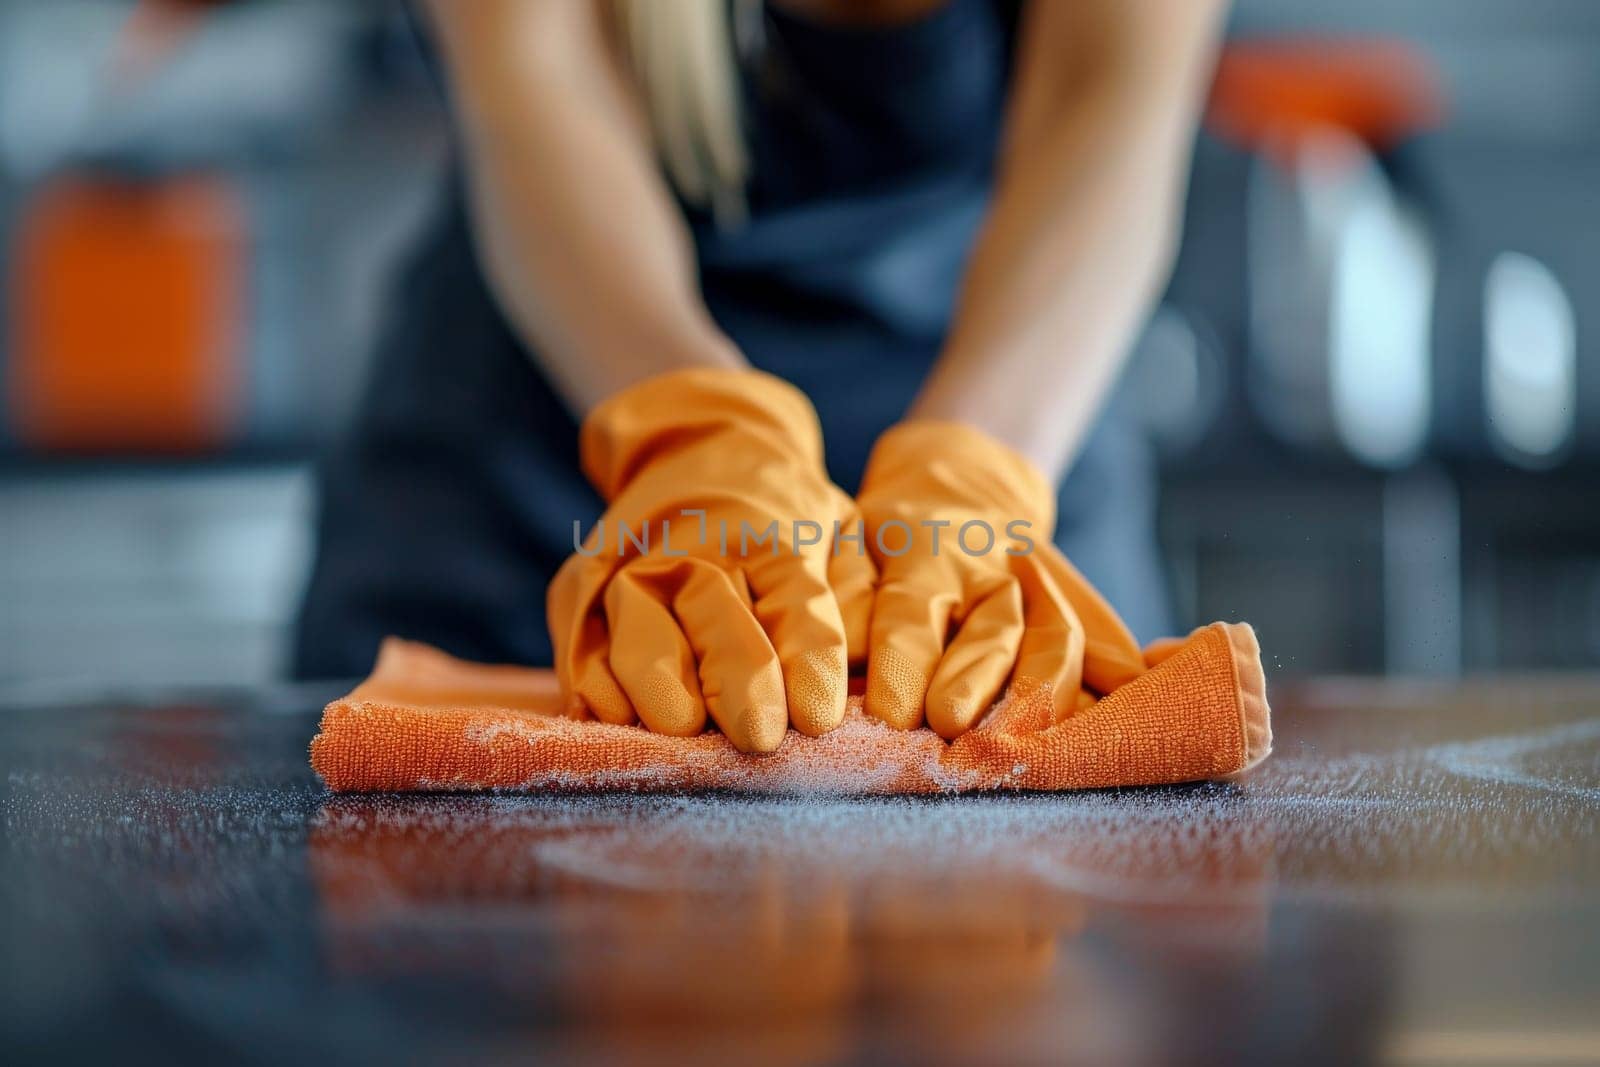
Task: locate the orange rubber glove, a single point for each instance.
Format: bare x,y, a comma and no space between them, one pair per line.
706,618
956,616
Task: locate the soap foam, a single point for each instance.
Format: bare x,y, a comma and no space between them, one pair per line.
1513,812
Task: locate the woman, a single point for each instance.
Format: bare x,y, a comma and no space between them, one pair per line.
938,224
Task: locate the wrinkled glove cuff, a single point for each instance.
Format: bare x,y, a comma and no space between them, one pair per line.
745,408
971,463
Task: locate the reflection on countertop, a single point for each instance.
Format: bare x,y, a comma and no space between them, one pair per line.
1412,878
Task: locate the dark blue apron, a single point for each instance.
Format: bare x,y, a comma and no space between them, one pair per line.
448,504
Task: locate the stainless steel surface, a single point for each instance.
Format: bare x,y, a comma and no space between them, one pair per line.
1411,879
147,577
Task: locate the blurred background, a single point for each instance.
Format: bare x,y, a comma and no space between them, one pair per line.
1374,381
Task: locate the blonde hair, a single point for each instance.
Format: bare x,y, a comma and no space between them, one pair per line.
684,57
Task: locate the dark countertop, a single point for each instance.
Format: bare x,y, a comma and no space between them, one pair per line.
1411,878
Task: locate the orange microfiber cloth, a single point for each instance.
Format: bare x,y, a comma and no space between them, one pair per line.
427,721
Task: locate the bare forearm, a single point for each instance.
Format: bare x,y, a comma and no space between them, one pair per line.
583,246
1086,213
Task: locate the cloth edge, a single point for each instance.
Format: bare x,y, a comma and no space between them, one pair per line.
1250,689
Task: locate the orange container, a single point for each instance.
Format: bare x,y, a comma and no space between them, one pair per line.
1270,91
127,316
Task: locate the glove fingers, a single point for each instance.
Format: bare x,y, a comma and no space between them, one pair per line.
797,609
740,675
581,644
1049,672
978,661
910,621
592,681
854,579
1111,655
650,657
